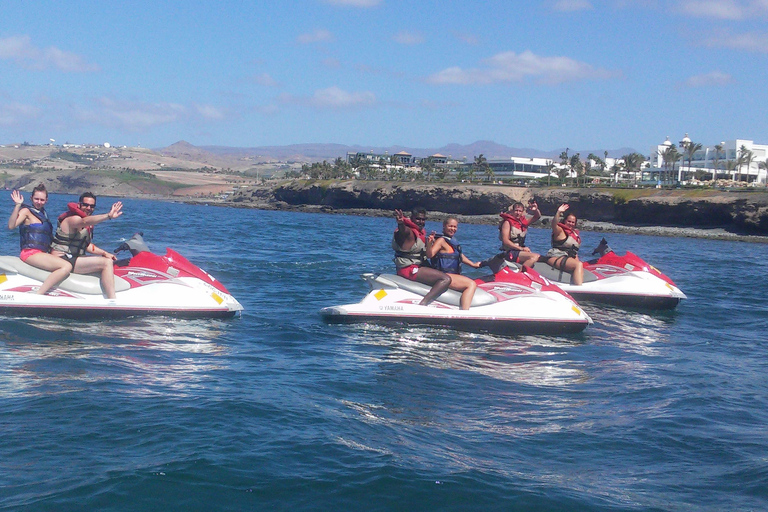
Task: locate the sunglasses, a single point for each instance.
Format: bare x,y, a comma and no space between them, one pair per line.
88,205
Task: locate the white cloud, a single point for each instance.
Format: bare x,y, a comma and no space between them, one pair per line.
333,98
210,112
140,116
750,41
714,78
512,67
318,36
408,38
724,9
21,50
572,5
354,3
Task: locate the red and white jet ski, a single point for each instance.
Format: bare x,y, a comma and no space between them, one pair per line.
145,284
511,302
626,281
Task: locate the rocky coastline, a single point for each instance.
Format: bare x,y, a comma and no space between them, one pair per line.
712,214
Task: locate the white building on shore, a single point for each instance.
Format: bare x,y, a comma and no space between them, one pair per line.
719,161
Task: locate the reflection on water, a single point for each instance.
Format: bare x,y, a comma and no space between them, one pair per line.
147,355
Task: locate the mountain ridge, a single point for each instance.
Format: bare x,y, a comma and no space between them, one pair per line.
313,152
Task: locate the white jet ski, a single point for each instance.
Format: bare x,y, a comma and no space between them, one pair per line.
145,284
510,302
625,281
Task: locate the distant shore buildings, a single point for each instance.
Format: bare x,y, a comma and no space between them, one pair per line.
736,160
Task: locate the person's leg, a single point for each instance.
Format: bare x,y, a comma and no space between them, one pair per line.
527,259
466,286
59,269
440,281
87,265
570,265
576,268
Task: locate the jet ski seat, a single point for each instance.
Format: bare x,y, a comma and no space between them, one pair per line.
560,276
451,297
78,283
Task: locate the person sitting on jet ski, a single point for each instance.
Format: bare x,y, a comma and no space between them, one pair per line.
564,254
410,245
74,237
445,255
36,235
513,229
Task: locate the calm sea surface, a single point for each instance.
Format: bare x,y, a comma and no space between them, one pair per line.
276,410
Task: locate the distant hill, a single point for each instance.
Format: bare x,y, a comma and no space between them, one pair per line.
318,152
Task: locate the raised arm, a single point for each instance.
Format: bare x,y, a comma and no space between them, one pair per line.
15,220
557,231
403,235
114,212
533,211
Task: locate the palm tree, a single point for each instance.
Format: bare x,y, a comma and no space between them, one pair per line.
671,156
599,162
747,158
549,167
427,167
740,161
616,168
489,174
690,150
633,163
764,166
577,166
480,166
716,160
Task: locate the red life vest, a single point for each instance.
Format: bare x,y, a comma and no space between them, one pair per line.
521,224
573,233
418,233
72,210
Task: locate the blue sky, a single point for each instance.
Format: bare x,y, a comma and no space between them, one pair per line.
541,74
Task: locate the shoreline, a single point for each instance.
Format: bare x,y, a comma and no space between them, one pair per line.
584,225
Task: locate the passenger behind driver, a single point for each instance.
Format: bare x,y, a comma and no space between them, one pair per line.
410,245
74,237
445,255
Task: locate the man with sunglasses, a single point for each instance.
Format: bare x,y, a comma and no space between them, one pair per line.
74,237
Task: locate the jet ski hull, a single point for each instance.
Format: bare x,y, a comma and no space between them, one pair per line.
145,285
622,281
501,308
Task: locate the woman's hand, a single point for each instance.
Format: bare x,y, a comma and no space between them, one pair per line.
562,207
17,197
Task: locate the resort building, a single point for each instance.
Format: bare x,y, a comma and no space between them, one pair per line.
737,160
521,167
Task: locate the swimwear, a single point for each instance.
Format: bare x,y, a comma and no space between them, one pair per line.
26,253
408,272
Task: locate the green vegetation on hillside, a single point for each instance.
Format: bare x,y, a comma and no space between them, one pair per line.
134,177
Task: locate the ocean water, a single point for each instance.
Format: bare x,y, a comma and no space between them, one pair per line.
276,410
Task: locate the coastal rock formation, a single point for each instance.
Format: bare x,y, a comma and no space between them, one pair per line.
742,211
